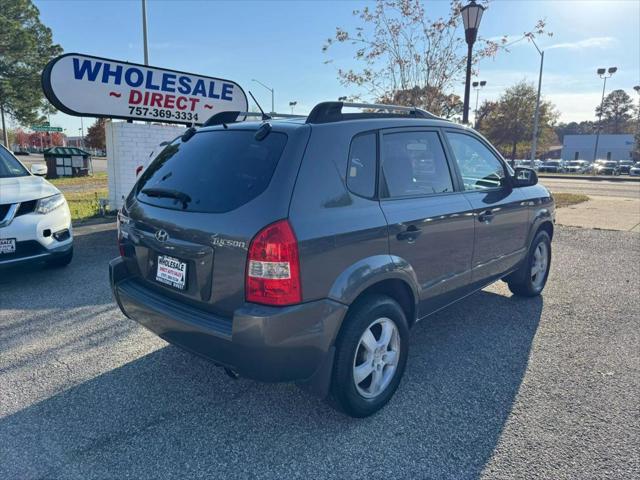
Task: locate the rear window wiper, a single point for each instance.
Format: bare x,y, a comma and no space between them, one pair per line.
168,193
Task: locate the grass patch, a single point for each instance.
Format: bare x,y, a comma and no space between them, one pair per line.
567,199
96,181
84,205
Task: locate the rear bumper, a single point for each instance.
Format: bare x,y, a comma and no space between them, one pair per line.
271,344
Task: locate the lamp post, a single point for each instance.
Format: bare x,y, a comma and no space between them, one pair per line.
471,16
477,86
273,110
536,117
144,32
604,74
292,104
637,89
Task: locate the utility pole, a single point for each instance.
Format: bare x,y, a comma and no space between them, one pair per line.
536,118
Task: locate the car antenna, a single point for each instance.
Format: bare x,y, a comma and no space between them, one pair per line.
264,115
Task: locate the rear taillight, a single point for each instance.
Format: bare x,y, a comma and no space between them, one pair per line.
273,267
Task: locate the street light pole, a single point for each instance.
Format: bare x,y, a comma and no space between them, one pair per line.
471,16
602,73
536,117
478,86
637,89
273,110
144,32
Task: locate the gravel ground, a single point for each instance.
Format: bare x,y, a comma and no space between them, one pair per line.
496,387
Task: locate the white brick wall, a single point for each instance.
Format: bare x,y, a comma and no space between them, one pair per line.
129,145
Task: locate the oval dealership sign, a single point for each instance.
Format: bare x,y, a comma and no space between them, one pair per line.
84,85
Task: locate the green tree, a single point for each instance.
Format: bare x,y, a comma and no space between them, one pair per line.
96,134
617,111
26,46
509,123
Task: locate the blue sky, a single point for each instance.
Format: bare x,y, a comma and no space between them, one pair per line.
279,43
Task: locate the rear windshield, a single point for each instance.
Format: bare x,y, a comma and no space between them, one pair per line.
214,171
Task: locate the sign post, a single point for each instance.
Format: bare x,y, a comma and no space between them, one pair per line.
83,85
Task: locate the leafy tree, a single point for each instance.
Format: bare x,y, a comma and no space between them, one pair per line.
430,98
96,134
574,128
509,123
26,46
399,49
617,111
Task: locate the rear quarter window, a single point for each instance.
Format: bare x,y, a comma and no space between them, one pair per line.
218,170
361,174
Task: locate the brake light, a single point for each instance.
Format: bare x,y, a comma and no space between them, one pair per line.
273,267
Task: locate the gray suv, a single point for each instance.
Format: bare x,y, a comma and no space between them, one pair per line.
304,250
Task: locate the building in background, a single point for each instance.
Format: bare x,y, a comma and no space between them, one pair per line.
74,142
610,147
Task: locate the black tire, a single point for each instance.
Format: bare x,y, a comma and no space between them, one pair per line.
521,282
62,260
344,394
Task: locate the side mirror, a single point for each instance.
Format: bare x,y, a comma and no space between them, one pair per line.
525,177
39,169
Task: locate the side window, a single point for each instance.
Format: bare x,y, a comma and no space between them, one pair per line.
413,163
478,165
361,176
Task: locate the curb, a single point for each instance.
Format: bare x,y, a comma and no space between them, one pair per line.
592,178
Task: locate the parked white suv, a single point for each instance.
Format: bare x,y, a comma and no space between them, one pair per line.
35,223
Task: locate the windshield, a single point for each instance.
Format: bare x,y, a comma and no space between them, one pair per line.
214,171
10,166
610,164
553,164
575,164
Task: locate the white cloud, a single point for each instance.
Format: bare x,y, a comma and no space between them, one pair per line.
593,42
575,107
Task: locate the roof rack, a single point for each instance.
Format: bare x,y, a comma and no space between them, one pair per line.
233,116
327,112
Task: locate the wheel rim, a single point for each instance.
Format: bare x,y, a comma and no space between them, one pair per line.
540,264
376,359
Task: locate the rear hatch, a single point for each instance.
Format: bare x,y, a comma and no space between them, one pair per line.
187,224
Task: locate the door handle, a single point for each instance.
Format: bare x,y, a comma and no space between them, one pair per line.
486,216
411,233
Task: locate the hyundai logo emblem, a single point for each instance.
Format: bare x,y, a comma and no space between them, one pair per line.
162,236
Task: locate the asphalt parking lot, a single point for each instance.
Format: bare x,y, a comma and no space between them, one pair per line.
496,387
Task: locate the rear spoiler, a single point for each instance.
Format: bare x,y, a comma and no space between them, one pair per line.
236,116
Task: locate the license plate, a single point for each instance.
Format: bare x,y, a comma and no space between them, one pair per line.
171,271
7,245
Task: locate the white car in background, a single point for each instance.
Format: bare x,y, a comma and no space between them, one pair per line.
35,223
